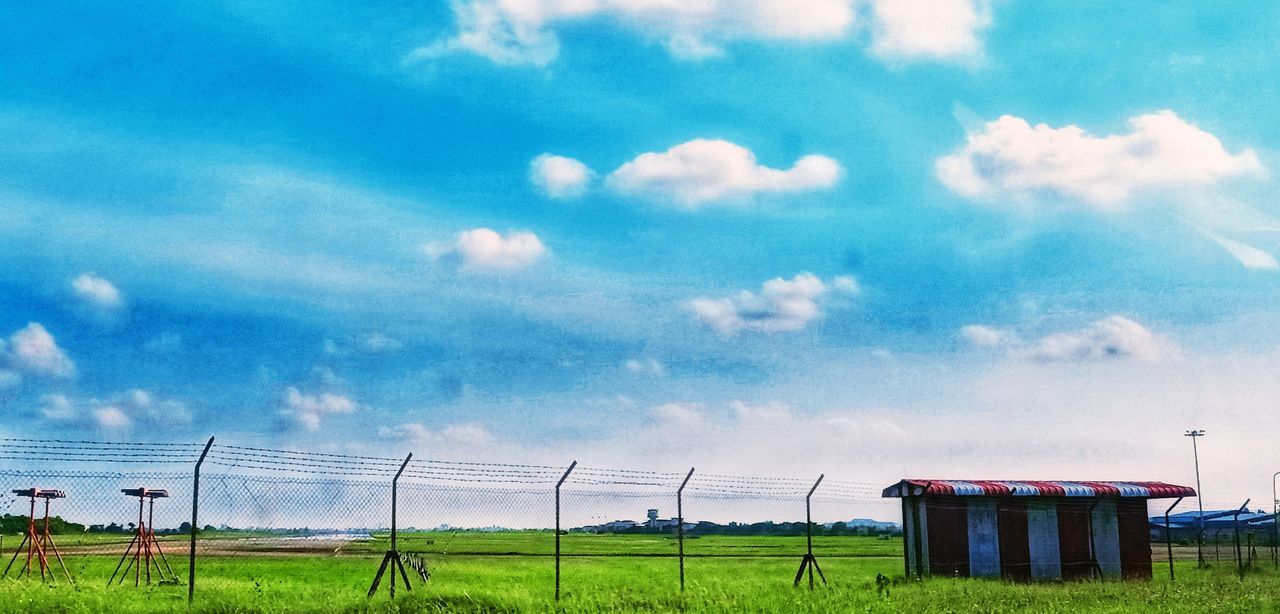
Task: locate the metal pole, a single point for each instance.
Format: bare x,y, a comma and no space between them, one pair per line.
1168,541
558,484
195,509
808,529
395,554
1196,434
1235,529
1275,525
680,522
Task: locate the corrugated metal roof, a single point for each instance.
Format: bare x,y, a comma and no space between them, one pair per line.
1006,488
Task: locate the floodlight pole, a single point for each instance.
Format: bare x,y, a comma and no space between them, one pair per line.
558,485
680,522
195,510
1196,434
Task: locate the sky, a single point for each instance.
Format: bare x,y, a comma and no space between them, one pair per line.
873,238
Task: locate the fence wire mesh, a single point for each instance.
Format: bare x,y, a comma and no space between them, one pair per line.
261,502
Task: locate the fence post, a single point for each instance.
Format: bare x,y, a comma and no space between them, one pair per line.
558,484
1169,541
392,557
1235,527
680,522
195,510
809,562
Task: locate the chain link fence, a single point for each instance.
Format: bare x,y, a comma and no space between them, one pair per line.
131,508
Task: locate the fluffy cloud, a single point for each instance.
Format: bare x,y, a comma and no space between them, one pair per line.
928,29
645,366
781,305
378,343
1112,337
482,249
123,410
33,350
679,415
704,170
111,417
1010,157
987,337
57,407
558,176
97,291
465,435
522,32
306,410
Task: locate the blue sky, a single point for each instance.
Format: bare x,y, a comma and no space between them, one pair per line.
958,238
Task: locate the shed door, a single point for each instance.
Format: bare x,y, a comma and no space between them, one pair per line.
1073,539
948,529
1135,540
1015,547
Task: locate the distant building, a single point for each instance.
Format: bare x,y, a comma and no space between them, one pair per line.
1185,526
1028,530
617,525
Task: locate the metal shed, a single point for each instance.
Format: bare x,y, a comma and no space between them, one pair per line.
1028,530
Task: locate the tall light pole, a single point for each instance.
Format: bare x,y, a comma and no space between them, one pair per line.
1196,434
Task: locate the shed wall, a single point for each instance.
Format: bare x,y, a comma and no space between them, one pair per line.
984,538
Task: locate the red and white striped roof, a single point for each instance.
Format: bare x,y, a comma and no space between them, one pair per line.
1006,488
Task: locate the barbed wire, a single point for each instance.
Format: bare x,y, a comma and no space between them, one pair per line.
329,465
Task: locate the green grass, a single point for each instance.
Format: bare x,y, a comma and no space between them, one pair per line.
719,580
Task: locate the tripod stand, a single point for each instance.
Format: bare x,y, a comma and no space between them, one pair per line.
39,543
809,562
146,550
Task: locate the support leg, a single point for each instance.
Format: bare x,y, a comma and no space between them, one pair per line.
378,578
15,555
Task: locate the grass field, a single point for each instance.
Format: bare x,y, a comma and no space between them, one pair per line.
474,572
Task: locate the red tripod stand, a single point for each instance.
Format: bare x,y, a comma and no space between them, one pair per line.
146,550
38,543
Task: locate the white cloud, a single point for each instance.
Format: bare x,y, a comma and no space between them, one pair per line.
482,249
129,408
705,170
558,176
164,343
377,343
147,407
58,408
678,415
1109,338
523,32
928,29
111,418
1009,157
645,366
33,350
1248,255
461,435
987,337
1112,337
781,305
97,291
306,410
